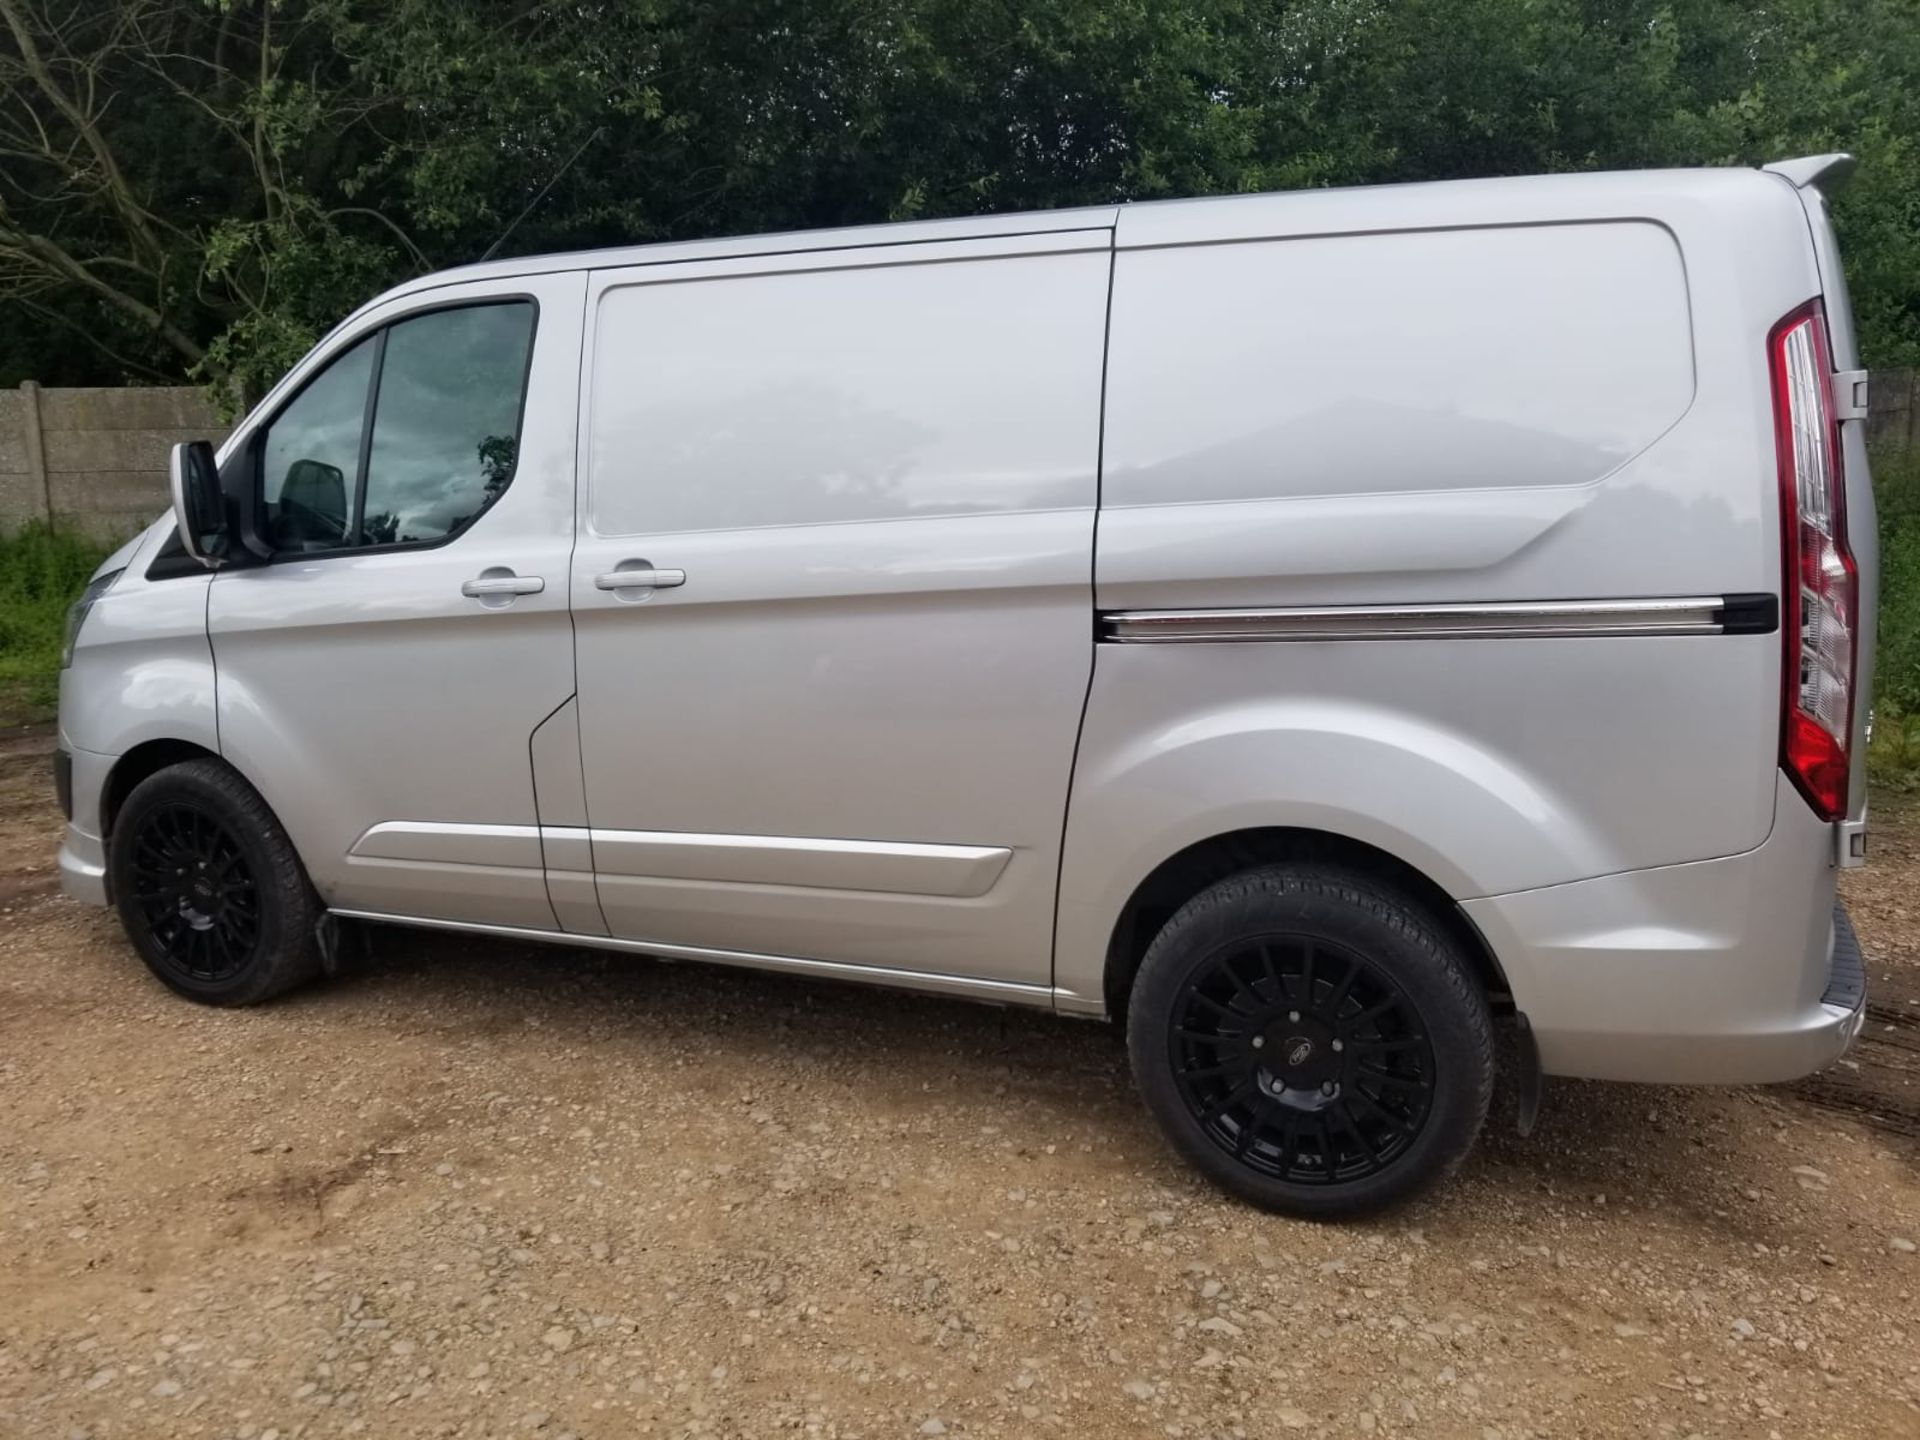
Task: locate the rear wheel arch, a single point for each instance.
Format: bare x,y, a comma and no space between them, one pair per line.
1192,870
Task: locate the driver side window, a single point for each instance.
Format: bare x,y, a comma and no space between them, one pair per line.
310,464
403,439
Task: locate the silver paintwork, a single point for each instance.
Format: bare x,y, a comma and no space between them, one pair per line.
177,495
560,797
967,987
1707,972
372,687
1696,615
438,842
885,630
1819,171
889,867
142,672
954,872
854,721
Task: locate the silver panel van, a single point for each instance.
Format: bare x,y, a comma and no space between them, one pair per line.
1313,630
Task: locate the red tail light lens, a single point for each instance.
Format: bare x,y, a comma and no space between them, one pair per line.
1820,587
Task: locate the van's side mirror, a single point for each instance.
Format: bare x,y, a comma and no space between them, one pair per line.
199,509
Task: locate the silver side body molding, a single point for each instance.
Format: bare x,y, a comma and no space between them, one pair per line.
1557,619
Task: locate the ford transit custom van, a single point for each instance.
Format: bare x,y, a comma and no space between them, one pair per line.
1314,631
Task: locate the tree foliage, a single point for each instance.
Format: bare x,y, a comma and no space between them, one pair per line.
201,187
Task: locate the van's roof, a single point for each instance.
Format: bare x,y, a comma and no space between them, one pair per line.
1360,209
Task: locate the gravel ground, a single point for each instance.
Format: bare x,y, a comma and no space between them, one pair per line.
479,1189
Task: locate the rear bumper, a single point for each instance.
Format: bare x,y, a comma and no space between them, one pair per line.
1733,971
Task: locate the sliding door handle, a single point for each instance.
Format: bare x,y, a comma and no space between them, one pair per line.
639,577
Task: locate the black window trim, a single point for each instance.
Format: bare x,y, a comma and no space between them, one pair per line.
256,437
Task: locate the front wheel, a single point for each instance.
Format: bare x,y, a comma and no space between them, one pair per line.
1310,1040
210,889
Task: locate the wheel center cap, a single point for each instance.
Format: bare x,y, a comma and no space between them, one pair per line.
1299,1053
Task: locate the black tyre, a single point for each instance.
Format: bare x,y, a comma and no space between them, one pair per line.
1311,1041
209,888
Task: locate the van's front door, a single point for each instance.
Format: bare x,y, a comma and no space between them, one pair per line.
380,679
832,598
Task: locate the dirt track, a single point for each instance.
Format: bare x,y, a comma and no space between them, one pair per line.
478,1189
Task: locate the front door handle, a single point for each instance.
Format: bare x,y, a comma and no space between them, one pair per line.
639,577
492,583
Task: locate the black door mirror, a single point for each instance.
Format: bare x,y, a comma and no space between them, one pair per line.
199,509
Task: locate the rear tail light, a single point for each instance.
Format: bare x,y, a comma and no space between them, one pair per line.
1820,587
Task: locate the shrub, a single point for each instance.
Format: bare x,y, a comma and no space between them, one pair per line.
42,569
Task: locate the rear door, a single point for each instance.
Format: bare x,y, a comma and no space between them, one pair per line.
832,597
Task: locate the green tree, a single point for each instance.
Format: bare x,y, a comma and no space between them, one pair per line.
204,186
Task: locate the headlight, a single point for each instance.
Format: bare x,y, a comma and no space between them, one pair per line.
77,612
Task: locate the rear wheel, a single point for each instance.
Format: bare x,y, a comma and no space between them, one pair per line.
1311,1041
209,888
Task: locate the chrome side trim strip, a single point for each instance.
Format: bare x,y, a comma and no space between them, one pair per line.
1002,992
959,872
1688,615
450,843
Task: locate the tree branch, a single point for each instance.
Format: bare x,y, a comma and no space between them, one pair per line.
52,259
412,249
133,214
91,336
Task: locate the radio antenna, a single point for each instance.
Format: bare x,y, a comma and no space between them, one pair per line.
579,150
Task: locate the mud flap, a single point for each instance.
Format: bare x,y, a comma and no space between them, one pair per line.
340,942
1528,1082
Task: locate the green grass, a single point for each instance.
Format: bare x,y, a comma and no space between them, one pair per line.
1893,759
41,571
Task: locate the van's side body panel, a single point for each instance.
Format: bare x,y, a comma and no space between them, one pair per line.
1709,972
144,674
846,734
1513,392
384,714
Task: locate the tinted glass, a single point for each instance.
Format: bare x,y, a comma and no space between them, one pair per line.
311,460
446,428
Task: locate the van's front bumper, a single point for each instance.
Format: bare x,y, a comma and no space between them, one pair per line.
1732,971
83,854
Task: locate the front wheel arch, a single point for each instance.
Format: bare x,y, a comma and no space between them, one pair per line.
147,758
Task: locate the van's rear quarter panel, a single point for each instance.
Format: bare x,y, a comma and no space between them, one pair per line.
1517,391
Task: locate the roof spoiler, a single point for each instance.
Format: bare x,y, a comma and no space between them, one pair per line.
1824,172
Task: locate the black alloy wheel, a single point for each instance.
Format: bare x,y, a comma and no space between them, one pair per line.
1311,1038
209,888
1301,1059
195,892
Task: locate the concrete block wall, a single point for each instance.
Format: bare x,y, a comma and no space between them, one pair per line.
94,459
